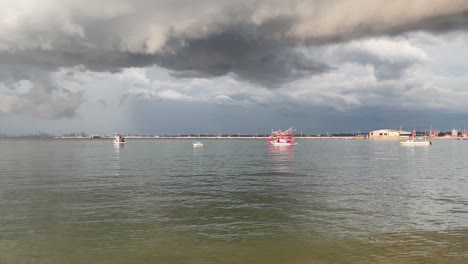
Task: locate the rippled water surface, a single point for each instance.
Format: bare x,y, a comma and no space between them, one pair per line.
232,201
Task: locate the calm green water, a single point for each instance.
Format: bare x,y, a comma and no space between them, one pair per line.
233,201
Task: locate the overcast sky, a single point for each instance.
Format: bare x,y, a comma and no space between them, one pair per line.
240,66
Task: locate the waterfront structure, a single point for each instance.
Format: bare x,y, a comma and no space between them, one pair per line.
465,134
454,132
389,134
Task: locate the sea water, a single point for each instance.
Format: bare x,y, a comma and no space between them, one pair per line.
232,201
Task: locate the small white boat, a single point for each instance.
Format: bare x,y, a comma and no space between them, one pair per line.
415,143
119,139
197,144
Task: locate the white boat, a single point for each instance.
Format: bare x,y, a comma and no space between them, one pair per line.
197,144
279,138
412,142
119,139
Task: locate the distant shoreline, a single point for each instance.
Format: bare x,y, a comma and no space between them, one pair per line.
207,137
243,137
223,138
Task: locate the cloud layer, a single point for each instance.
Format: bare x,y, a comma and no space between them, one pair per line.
39,99
344,54
256,41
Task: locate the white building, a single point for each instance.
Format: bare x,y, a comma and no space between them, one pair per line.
387,134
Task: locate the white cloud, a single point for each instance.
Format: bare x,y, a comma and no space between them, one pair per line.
390,58
134,76
390,51
173,95
421,90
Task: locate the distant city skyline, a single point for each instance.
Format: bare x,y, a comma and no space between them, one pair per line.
152,67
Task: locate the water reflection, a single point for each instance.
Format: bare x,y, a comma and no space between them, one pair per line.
198,151
282,158
118,148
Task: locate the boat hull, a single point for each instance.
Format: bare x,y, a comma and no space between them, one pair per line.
415,143
283,144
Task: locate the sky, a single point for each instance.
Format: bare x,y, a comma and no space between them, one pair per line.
232,66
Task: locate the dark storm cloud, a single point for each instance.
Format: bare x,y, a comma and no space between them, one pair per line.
272,57
35,64
437,23
259,53
258,41
250,52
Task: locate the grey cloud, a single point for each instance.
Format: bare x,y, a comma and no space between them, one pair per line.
124,98
250,52
255,41
254,52
42,100
342,20
385,71
438,23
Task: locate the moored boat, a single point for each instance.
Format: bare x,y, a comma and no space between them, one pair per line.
413,142
279,138
119,139
197,144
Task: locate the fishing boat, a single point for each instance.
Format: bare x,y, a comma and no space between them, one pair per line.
197,144
119,139
280,138
413,142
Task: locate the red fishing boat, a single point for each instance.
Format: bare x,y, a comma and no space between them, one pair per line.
280,138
